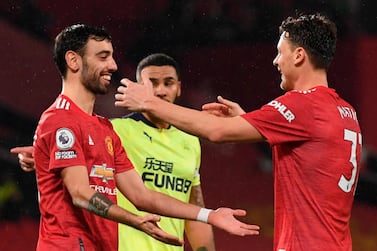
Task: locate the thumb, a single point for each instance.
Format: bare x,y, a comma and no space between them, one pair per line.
224,101
146,81
239,212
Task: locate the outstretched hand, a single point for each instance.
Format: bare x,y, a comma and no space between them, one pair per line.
132,95
224,219
150,227
25,157
225,108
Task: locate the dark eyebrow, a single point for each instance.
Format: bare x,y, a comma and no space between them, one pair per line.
104,52
167,78
170,78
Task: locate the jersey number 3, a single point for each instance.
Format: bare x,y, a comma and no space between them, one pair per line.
355,138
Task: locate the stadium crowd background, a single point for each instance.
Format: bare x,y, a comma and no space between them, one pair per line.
224,48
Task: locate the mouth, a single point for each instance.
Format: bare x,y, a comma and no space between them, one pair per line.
107,77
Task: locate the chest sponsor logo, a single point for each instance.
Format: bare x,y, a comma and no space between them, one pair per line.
283,110
160,176
103,172
167,181
158,165
104,189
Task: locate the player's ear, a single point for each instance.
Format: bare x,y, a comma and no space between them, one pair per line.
299,55
179,88
73,60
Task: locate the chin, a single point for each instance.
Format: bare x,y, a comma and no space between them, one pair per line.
285,87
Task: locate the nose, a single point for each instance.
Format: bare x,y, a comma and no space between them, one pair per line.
159,90
274,62
113,65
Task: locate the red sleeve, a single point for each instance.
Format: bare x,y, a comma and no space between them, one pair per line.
62,142
285,119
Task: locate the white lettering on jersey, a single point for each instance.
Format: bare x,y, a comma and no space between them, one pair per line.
347,112
65,155
104,190
287,114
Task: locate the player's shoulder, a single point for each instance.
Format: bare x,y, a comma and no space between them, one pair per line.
127,119
309,96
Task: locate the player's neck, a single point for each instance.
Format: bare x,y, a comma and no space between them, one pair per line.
160,124
82,97
311,79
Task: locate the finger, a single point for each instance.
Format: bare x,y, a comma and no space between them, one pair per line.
213,106
20,156
239,212
27,169
126,82
22,149
16,150
121,89
119,97
250,229
152,217
167,238
146,81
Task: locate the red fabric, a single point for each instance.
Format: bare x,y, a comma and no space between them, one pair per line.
66,136
316,140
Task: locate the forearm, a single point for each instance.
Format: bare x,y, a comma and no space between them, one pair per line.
132,187
192,121
162,204
200,236
104,207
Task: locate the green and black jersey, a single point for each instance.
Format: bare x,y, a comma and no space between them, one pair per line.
168,161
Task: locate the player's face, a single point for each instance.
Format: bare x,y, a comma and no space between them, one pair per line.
165,82
97,66
284,61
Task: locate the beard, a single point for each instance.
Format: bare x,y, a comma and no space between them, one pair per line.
92,80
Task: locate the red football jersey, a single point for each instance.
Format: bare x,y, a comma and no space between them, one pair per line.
316,144
67,136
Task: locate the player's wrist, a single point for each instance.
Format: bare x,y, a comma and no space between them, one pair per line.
203,215
150,104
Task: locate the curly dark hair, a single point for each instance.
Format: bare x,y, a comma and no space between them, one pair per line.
316,33
74,38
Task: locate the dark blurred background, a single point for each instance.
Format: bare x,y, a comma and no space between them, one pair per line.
224,48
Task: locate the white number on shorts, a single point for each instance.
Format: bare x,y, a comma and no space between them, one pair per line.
355,138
